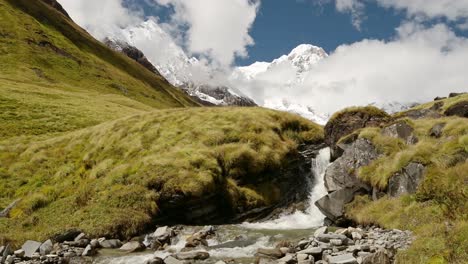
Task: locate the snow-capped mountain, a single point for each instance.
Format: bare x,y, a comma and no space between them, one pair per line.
170,60
296,65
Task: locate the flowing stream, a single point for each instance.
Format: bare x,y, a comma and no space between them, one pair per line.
240,242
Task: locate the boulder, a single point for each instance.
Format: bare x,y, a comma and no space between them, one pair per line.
348,121
406,181
342,259
320,231
19,253
46,247
172,260
288,259
332,205
132,246
342,173
422,113
192,255
274,253
455,94
110,243
459,109
316,252
30,247
436,130
401,130
88,251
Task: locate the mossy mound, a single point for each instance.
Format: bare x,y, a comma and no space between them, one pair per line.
437,212
110,179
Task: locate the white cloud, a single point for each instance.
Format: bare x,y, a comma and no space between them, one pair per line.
102,17
453,10
355,7
417,65
216,29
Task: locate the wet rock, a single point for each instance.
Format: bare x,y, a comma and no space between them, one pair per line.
155,260
68,235
342,259
322,230
110,243
402,130
270,253
132,246
406,181
88,251
332,205
193,255
46,247
342,173
30,247
459,109
436,130
199,238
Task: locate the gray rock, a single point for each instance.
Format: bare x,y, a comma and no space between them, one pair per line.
314,251
19,253
332,205
305,261
192,255
9,259
162,231
459,109
155,260
172,260
5,212
68,235
264,260
422,113
220,262
436,130
336,242
406,181
301,256
401,130
5,252
320,231
303,244
380,257
46,247
288,259
342,172
328,237
88,251
132,246
110,243
342,259
30,247
80,236
94,243
270,252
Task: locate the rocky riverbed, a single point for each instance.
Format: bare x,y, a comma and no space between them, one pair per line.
221,244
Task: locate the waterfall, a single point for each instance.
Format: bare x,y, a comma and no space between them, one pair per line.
312,217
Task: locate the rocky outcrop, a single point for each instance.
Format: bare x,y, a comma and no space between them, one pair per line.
459,109
131,52
348,121
223,94
436,130
292,180
402,130
406,181
342,173
342,182
422,113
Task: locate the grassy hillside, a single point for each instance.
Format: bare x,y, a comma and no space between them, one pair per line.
95,178
438,212
54,77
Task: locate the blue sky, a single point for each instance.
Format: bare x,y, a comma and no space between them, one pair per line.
281,25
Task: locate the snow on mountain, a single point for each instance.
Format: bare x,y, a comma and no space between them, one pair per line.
299,62
394,107
187,73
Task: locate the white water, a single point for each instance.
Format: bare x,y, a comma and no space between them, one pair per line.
261,234
312,217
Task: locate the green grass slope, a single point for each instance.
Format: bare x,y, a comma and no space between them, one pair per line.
54,77
438,212
97,177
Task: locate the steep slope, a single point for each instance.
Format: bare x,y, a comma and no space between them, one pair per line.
188,73
408,173
214,163
55,77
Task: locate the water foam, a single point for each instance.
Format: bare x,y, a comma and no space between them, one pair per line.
312,217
